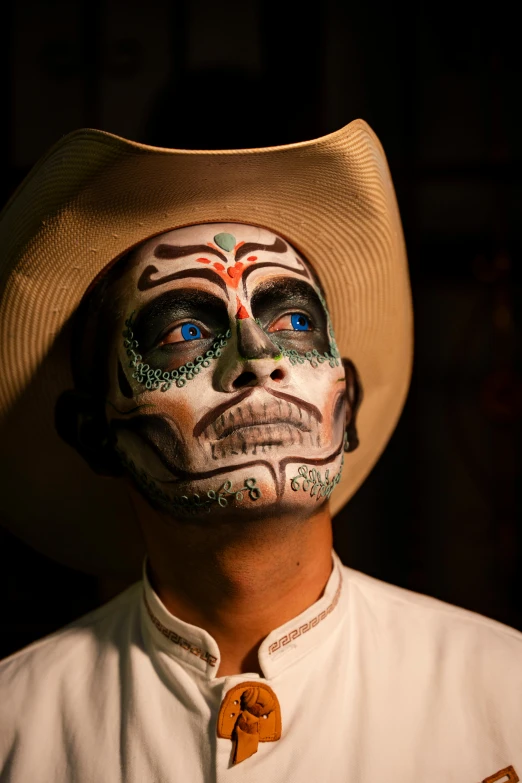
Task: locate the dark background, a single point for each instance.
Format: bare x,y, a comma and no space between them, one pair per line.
441,85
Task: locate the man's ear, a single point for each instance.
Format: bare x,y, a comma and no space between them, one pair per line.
354,396
80,421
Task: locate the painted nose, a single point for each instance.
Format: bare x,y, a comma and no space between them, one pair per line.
253,343
258,360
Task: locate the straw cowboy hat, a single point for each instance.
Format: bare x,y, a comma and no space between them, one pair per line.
91,198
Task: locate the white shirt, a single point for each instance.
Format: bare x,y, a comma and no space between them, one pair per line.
376,684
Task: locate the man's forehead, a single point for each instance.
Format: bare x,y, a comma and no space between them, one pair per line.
224,236
233,256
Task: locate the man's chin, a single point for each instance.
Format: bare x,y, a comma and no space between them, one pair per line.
242,513
249,490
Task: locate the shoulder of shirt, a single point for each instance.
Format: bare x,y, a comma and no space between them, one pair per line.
101,623
439,612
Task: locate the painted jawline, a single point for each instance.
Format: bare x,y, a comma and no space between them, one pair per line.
312,481
195,503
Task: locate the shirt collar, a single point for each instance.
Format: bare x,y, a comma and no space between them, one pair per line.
194,647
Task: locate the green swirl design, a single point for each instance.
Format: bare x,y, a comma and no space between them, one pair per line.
191,504
310,480
153,378
314,357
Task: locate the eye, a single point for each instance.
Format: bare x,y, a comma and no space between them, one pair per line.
190,332
297,322
184,333
300,322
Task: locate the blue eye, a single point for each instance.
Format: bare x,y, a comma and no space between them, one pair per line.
300,322
190,332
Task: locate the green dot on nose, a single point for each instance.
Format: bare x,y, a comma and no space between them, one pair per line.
225,241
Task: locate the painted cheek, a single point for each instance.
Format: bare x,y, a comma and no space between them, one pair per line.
321,383
184,412
178,409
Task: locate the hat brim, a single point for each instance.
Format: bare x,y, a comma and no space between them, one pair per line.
95,195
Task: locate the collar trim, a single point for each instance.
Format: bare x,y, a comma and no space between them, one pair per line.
180,640
305,627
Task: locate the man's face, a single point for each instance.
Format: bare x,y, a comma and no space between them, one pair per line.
226,390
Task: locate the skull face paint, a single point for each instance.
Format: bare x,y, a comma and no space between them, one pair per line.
225,381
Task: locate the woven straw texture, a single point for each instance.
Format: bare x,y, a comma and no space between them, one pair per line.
93,196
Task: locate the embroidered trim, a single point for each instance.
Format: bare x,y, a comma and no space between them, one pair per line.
172,636
295,632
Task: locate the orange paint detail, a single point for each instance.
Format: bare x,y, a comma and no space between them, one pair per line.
232,274
239,244
242,312
252,258
235,271
203,260
211,244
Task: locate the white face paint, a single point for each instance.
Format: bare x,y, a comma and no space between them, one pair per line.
245,405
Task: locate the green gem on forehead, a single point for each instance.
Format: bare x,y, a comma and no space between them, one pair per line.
225,242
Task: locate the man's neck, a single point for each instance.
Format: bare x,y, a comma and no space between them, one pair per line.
239,589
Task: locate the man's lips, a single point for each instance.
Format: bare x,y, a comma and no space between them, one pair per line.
218,411
263,421
268,408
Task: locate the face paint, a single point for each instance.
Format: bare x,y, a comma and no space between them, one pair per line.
248,346
264,412
194,504
309,480
155,378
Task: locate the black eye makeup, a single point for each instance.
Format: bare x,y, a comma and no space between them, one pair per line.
292,313
179,325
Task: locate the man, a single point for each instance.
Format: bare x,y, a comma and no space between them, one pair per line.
199,327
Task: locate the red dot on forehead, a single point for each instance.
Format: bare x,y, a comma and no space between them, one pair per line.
219,267
203,260
252,258
234,271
